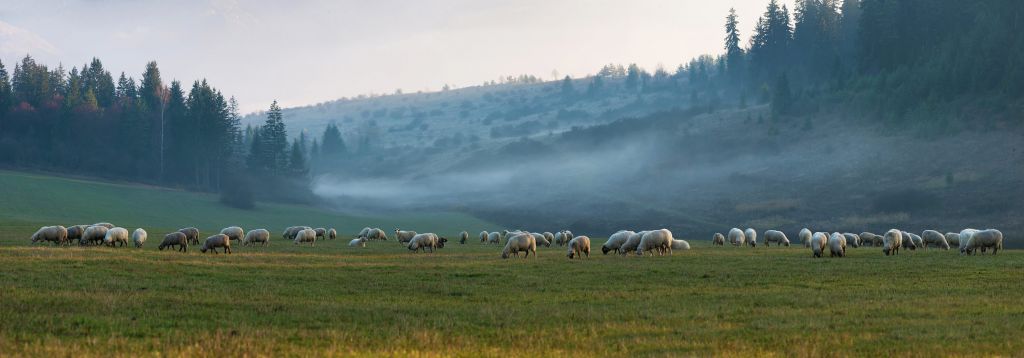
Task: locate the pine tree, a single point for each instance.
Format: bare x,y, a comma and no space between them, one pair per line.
256,153
275,140
770,43
297,160
332,146
6,97
733,52
633,77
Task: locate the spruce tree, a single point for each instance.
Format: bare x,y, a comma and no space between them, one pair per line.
275,140
332,145
296,159
733,52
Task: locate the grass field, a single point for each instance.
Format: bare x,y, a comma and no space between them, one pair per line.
333,300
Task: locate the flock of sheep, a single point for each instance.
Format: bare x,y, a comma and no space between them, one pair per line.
623,242
969,241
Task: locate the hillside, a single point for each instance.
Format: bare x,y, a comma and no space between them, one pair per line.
31,200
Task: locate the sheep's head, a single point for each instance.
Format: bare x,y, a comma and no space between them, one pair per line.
571,254
786,243
441,241
203,249
504,254
753,244
605,249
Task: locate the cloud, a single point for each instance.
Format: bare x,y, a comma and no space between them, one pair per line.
17,41
231,11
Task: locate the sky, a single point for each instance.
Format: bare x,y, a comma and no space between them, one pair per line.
303,52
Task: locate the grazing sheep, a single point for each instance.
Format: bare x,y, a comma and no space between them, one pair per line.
176,238
935,238
360,242
541,240
75,233
562,238
805,237
578,247
751,237
776,236
615,241
837,245
403,237
235,233
425,241
631,243
680,245
139,237
290,233
305,235
463,237
660,240
718,239
852,239
965,236
483,237
494,238
520,242
376,234
192,234
58,234
869,239
332,234
253,237
983,239
321,233
818,242
222,240
952,238
891,242
549,236
106,225
117,235
736,237
94,235
912,241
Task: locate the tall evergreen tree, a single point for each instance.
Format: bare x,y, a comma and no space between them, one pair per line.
332,145
275,140
6,96
771,40
633,77
733,52
296,159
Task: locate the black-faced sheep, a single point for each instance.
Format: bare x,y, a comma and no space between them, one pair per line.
221,240
257,236
176,238
578,247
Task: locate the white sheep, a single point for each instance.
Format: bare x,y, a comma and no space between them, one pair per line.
305,235
615,241
775,236
58,234
965,236
176,238
191,234
837,245
139,237
376,234
106,225
257,236
983,239
520,242
891,242
463,237
424,241
578,247
870,239
751,237
494,238
655,240
115,236
332,234
936,238
680,245
952,238
916,242
404,237
718,239
236,233
360,242
94,235
852,239
221,240
549,236
631,243
483,237
818,242
562,238
541,240
362,233
736,237
805,237
75,233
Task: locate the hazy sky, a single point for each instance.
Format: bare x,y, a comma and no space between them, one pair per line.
307,51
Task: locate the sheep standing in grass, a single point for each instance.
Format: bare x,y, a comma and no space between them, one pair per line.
115,236
520,242
305,235
736,237
425,241
805,237
403,237
290,233
718,239
376,234
935,238
549,236
483,237
257,236
332,234
75,233
176,238
852,239
221,240
236,233
751,237
775,236
463,237
631,243
869,239
891,242
94,235
57,234
563,237
541,240
359,242
139,237
952,238
965,236
362,233
494,238
837,245
191,234
578,247
615,241
912,241
659,241
983,239
321,233
680,245
818,242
